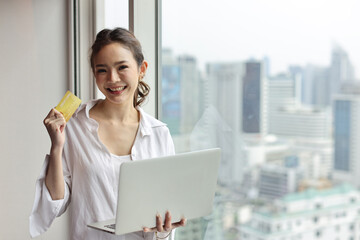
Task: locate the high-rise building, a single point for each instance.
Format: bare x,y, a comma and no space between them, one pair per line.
309,215
317,84
297,74
190,92
341,69
347,138
302,122
280,94
225,88
253,98
181,92
220,123
276,181
171,92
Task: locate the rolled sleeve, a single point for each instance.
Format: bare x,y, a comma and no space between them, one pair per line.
45,210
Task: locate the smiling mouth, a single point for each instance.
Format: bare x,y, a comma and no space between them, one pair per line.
118,89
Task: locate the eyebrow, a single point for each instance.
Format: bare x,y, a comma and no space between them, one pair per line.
116,63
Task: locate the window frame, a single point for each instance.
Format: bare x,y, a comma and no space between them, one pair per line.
87,19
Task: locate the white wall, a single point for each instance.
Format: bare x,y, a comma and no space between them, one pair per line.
33,75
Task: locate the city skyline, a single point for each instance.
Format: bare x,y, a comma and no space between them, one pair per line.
237,31
236,107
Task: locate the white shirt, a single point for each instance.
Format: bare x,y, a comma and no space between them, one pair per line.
117,161
90,176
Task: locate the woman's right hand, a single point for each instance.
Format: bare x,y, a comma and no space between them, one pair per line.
55,124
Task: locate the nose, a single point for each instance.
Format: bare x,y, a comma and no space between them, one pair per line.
114,76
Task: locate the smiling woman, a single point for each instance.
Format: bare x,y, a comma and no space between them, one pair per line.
86,153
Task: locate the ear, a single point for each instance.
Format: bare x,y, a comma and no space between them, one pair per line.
143,68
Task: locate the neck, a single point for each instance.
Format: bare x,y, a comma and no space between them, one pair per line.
119,112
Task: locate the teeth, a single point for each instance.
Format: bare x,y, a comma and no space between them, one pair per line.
117,89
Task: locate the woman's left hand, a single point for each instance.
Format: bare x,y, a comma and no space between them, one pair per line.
165,226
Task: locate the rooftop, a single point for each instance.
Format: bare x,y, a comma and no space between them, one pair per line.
314,193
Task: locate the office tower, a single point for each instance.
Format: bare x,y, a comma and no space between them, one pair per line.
171,92
253,107
309,215
280,94
182,97
297,74
224,82
190,92
237,91
267,66
276,181
317,86
347,138
341,69
302,122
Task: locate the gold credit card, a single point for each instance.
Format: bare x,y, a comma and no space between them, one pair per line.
68,105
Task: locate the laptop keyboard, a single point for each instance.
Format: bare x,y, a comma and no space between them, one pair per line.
111,226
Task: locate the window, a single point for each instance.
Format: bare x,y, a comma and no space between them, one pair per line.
263,80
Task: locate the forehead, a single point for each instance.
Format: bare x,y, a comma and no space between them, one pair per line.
114,52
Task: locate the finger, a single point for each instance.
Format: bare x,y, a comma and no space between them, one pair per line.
167,225
181,223
55,122
159,224
51,119
55,125
49,115
57,112
53,114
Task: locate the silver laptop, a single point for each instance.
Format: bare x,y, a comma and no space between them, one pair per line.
184,184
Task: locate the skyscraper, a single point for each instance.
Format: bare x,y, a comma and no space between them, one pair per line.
317,86
224,82
190,94
341,69
280,94
171,95
347,138
220,125
252,98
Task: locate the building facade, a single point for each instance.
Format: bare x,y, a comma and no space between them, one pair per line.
331,214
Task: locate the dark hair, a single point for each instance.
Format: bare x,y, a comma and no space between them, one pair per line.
127,39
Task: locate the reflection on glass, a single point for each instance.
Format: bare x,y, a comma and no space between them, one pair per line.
274,85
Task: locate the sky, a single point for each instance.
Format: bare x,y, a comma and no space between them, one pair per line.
287,31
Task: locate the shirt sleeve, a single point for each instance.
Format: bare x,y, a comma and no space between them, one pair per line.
45,210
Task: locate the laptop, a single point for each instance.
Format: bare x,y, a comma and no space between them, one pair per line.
184,184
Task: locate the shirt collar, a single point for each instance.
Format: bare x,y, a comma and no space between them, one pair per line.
146,125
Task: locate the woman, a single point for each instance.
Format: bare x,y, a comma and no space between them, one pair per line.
86,152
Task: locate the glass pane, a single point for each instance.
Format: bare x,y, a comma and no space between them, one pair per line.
116,13
275,85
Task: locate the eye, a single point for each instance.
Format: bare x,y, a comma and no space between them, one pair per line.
101,70
122,67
